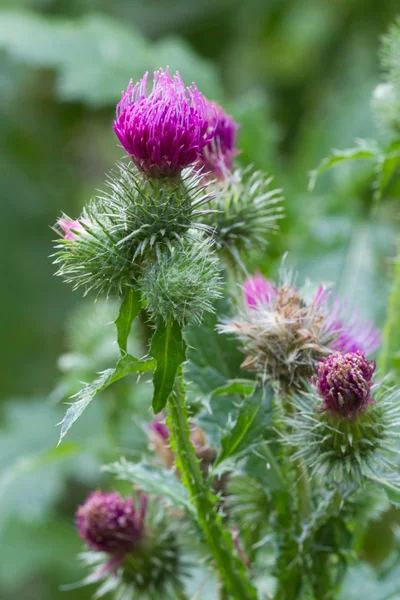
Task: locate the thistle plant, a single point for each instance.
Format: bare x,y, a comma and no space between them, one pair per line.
268,425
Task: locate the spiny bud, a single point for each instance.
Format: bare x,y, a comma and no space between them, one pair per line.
109,523
182,284
246,210
164,131
129,557
344,383
131,221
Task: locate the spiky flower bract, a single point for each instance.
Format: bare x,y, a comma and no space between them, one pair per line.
163,131
285,332
344,382
133,217
109,523
247,209
148,563
347,449
216,158
183,283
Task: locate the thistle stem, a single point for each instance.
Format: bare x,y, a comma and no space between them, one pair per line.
232,571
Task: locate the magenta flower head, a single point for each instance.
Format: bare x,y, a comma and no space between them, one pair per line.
344,383
258,290
163,131
72,229
109,523
216,158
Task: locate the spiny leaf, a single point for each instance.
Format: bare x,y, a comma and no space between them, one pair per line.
125,366
130,308
251,421
391,488
153,481
169,350
363,150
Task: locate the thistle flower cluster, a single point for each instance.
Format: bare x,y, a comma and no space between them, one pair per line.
344,431
285,334
129,556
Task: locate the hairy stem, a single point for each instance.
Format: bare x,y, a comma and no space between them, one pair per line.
232,571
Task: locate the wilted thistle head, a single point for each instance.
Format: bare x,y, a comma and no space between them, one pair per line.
163,131
109,523
247,208
285,333
216,158
182,284
344,382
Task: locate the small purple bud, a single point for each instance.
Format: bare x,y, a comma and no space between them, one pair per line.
258,290
163,132
109,523
72,229
344,383
216,158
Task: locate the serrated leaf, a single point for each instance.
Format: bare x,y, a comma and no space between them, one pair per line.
364,150
125,366
250,423
130,308
169,350
153,481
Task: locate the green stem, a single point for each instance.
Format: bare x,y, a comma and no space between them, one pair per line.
232,571
392,326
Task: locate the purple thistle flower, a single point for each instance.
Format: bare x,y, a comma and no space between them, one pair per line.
258,290
109,523
216,158
163,132
72,229
344,383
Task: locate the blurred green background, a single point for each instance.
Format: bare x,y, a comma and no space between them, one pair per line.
298,77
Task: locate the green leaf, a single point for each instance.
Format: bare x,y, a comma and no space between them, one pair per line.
250,423
235,386
130,308
363,150
386,168
153,481
169,350
392,489
125,366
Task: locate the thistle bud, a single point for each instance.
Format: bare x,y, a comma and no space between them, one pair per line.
183,284
109,523
344,383
129,557
72,229
163,131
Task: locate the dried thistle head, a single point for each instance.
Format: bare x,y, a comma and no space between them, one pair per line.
285,332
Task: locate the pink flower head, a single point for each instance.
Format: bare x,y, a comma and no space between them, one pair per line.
258,291
109,523
344,383
72,229
163,132
349,335
216,158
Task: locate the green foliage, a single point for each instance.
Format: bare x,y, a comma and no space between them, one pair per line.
153,480
125,366
390,355
169,350
130,308
390,54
